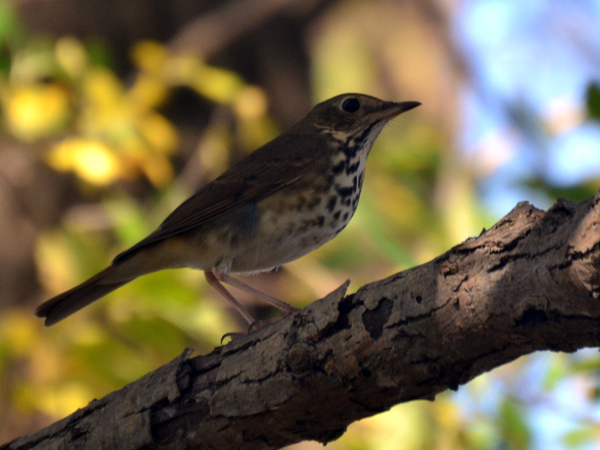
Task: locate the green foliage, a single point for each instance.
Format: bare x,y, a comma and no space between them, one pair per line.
577,192
514,428
593,101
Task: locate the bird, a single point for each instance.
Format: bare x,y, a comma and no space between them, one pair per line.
282,201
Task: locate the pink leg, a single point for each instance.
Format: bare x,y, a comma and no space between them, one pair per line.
282,306
214,282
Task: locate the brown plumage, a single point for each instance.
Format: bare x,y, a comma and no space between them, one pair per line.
282,201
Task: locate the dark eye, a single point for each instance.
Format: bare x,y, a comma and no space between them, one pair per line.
351,105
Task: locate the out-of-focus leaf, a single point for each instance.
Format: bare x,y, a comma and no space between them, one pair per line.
148,91
577,192
71,56
401,256
480,435
17,333
129,222
254,125
159,133
407,149
396,208
55,401
593,101
149,56
5,61
219,85
557,371
182,69
10,25
109,360
65,259
579,437
515,430
158,169
460,207
404,427
160,335
35,111
153,294
251,103
98,53
92,160
102,89
213,152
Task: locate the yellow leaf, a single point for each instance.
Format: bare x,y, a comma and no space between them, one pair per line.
102,88
213,150
63,400
37,110
54,262
159,133
71,55
217,84
158,170
182,69
251,103
254,125
89,159
19,332
148,91
149,55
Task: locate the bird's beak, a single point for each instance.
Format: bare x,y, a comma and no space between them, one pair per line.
393,109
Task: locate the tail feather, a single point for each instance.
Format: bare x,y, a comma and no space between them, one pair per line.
71,301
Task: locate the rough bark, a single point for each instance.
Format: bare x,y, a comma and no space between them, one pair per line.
530,283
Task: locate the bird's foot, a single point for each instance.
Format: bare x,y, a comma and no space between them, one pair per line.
258,324
232,336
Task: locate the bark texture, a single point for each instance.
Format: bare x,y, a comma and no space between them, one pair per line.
532,282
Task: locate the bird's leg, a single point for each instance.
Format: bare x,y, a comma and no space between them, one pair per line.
281,306
214,282
217,276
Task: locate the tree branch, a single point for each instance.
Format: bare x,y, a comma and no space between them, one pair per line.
532,282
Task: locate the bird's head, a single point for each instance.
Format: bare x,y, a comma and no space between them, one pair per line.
354,114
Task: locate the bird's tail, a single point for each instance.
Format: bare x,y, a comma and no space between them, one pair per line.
67,303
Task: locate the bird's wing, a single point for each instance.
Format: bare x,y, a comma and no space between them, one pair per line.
260,174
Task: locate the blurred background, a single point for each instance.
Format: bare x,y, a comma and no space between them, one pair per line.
114,111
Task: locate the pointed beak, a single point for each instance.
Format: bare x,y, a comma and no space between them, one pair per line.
406,106
393,109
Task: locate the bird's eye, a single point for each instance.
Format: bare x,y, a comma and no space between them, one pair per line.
351,105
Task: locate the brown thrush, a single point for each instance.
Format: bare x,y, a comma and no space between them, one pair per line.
286,199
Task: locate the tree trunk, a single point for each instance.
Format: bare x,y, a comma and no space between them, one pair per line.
530,283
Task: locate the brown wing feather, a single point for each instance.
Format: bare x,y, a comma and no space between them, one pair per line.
263,172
